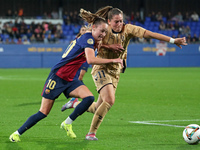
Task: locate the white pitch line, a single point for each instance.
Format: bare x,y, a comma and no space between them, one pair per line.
168,120
159,124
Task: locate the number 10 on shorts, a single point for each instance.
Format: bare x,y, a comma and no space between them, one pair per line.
51,84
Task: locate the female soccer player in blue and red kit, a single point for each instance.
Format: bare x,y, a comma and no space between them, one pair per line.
63,77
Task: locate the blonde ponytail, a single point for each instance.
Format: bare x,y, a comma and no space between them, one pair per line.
87,16
103,12
91,18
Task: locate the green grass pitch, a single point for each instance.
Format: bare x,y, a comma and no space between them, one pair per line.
162,100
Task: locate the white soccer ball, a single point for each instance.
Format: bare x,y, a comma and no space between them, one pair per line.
191,134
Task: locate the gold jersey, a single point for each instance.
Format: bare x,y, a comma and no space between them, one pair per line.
129,31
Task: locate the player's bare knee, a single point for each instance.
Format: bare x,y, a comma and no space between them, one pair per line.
110,101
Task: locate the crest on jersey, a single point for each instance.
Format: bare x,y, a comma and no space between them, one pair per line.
122,38
47,91
90,41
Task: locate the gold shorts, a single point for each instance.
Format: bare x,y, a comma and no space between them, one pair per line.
102,78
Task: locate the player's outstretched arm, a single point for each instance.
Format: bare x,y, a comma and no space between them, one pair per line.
177,41
91,59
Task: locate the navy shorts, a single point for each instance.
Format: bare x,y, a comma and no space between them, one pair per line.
55,85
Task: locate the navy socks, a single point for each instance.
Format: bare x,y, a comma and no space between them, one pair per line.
31,121
79,110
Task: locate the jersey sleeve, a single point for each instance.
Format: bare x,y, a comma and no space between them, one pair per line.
87,41
135,31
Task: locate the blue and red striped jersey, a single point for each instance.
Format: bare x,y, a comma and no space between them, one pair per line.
68,68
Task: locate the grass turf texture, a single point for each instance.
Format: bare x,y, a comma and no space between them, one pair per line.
143,94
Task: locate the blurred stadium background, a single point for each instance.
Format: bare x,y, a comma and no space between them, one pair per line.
32,32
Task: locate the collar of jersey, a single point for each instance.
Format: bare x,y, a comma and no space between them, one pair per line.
115,32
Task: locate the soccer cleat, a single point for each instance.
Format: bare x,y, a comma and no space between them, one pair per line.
91,137
69,104
68,129
14,137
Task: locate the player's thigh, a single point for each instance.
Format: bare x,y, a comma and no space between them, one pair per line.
46,105
81,92
107,94
99,101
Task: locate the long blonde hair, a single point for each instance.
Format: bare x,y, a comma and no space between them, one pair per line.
103,12
88,16
91,18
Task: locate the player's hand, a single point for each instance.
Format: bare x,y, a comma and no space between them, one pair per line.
180,41
118,60
116,48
